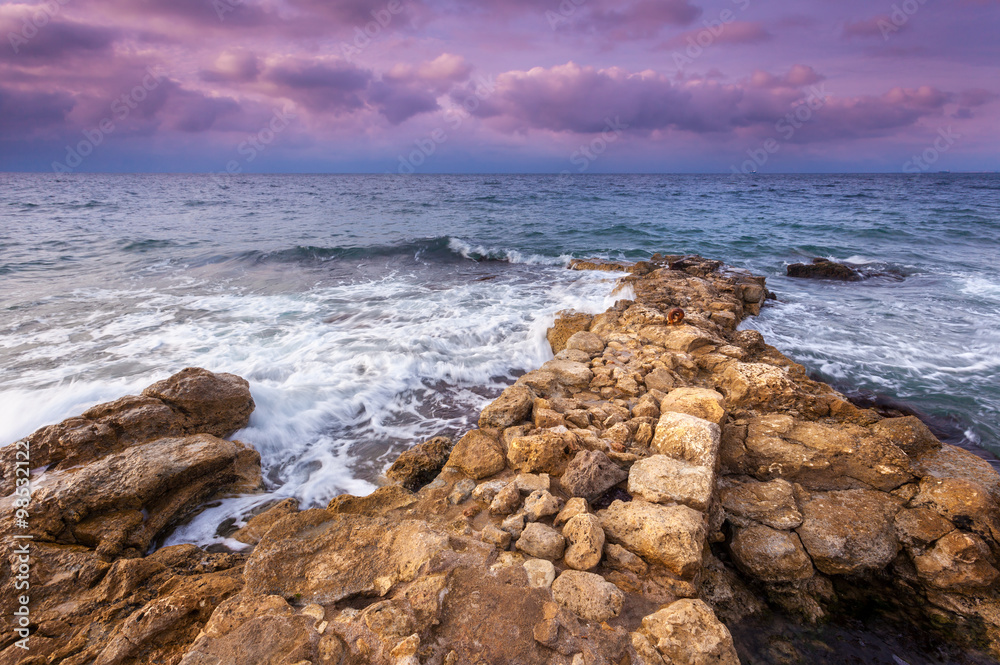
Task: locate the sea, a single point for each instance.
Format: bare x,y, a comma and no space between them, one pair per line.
372,312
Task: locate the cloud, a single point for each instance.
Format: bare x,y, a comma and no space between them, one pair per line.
28,113
326,84
33,34
875,26
232,66
737,32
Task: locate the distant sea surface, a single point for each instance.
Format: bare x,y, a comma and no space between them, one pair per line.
371,312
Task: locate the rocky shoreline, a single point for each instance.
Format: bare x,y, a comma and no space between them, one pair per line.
664,475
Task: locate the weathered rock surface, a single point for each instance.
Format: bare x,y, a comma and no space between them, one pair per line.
588,595
548,452
513,406
662,479
686,437
566,325
590,474
478,454
688,633
420,464
772,503
671,536
770,555
850,531
823,269
699,402
585,536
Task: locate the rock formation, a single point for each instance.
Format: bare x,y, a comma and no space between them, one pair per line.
616,505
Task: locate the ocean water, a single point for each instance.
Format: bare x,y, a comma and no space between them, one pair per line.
372,312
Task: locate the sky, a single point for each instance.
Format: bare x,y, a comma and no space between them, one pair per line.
430,86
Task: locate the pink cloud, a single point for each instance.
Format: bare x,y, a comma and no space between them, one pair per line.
737,32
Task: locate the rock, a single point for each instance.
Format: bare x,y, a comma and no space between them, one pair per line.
770,555
539,504
822,456
530,482
494,536
547,452
771,503
507,500
682,338
662,479
545,418
585,536
850,531
513,406
569,373
461,491
541,542
619,558
919,527
487,491
217,404
167,478
647,407
574,506
514,525
757,385
660,379
672,536
565,326
587,342
478,455
966,504
687,437
953,462
421,464
258,525
590,474
643,434
588,595
823,269
541,382
958,562
687,632
699,402
574,355
620,434
541,573
908,434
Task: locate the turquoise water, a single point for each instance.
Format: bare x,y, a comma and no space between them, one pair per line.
369,311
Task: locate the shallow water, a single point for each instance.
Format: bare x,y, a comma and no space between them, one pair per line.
369,312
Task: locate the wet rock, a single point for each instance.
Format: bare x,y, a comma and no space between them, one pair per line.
585,537
478,455
507,500
590,474
541,573
217,404
771,503
421,464
687,632
565,326
258,525
770,555
958,562
541,542
662,479
587,342
850,531
548,452
574,506
687,437
588,595
823,269
569,373
699,402
671,536
539,504
513,406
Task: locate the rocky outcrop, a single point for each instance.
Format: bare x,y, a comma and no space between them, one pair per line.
823,269
660,476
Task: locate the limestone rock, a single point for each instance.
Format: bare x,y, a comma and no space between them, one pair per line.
672,536
660,379
908,434
494,536
662,479
421,464
478,455
770,555
919,527
688,438
506,501
958,562
541,573
513,406
683,339
590,474
569,373
258,525
687,632
619,558
217,404
698,402
514,525
585,536
541,542
756,384
565,326
948,461
823,269
588,595
547,452
461,491
647,407
963,502
530,482
574,506
539,504
771,503
850,531
587,342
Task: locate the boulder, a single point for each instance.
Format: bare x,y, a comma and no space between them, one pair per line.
687,632
823,269
687,437
948,461
217,404
495,536
672,536
590,474
541,573
478,455
660,379
587,342
588,595
682,338
770,555
506,501
258,525
850,531
569,373
539,504
965,503
908,434
510,408
530,482
757,385
771,503
574,506
958,562
662,479
699,402
585,536
541,542
619,558
565,326
547,452
421,464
